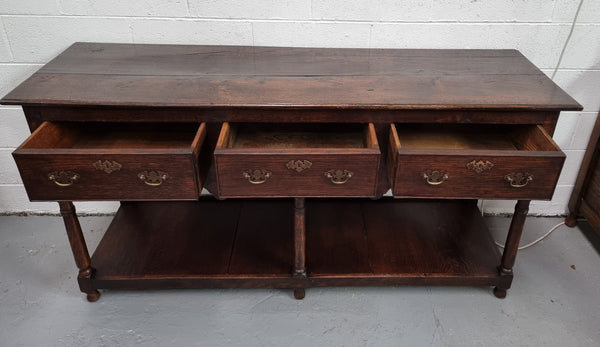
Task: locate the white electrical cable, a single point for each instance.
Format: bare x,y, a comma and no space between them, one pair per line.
531,243
537,240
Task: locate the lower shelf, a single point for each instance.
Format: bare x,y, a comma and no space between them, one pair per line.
249,244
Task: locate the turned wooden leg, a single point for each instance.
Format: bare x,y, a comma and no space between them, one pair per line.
571,219
79,248
299,245
511,247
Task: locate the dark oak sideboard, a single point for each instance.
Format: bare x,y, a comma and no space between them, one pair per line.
298,147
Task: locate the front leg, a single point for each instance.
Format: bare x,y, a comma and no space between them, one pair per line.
299,244
511,247
79,248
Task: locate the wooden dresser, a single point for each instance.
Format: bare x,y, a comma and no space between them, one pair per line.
298,147
585,199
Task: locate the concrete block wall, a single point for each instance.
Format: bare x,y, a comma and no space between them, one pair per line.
565,46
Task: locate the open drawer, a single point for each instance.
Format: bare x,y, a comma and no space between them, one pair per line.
301,160
112,161
473,161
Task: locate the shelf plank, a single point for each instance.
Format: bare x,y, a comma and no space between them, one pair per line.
162,239
264,242
249,243
336,238
439,237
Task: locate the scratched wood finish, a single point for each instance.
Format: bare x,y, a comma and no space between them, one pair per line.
137,149
449,149
196,76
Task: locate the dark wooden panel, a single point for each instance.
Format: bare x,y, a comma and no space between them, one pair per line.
463,182
349,243
586,193
182,182
529,151
591,214
168,239
55,148
535,92
283,114
436,237
285,182
336,238
240,152
264,242
177,60
130,75
592,194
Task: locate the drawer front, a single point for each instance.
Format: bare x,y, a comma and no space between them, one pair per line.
465,176
520,162
109,177
301,174
60,161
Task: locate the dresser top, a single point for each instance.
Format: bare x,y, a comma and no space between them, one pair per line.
239,76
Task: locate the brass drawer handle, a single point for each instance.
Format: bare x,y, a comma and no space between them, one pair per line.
63,178
153,178
518,179
257,176
435,177
339,176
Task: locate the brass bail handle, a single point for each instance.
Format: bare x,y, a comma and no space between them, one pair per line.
518,179
435,177
257,176
63,178
339,176
153,178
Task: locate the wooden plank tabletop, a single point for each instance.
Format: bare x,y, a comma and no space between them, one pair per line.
240,76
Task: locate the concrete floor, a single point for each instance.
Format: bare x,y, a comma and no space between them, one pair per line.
555,301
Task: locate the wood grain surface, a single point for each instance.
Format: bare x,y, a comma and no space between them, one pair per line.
249,243
172,149
222,76
522,149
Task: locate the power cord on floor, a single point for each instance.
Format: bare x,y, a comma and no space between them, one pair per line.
537,240
531,243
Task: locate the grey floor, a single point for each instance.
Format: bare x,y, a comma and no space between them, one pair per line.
554,301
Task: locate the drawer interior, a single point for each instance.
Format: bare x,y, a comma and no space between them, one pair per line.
285,136
71,135
474,137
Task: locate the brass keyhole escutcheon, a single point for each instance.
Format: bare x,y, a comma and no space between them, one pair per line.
107,166
298,165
